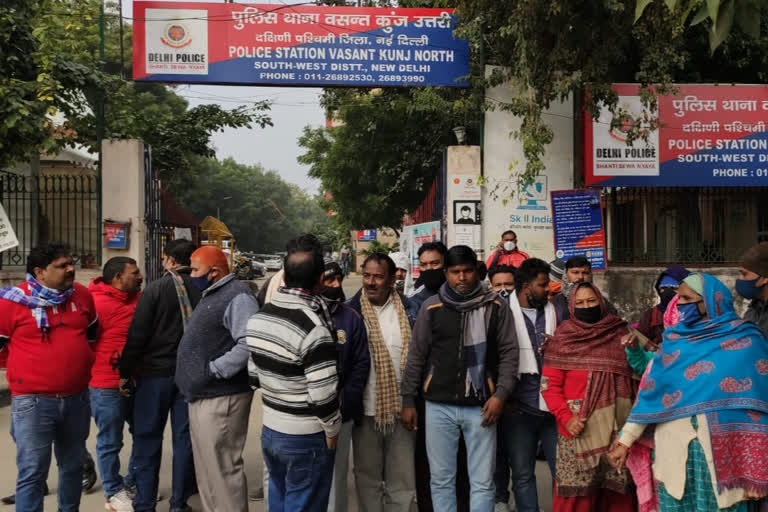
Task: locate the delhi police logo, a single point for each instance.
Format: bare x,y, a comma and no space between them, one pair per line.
176,35
341,336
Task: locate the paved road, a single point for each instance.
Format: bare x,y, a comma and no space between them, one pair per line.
94,501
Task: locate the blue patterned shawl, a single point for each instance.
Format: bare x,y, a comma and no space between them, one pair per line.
718,366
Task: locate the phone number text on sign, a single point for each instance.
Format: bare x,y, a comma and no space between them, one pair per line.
297,45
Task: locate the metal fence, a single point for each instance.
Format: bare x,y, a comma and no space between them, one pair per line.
43,208
684,225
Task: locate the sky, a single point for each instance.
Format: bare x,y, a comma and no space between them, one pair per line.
276,147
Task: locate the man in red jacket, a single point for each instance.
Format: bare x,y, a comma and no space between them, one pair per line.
46,324
115,295
507,252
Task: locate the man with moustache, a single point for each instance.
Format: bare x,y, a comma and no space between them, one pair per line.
383,448
115,294
47,325
354,366
464,389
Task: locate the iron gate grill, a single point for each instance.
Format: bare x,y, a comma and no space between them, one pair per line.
45,208
153,246
684,225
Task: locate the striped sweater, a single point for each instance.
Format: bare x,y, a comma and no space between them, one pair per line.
295,358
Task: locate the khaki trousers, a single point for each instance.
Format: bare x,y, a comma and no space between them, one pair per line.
218,428
384,467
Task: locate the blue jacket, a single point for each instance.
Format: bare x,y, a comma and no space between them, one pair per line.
354,359
526,395
420,296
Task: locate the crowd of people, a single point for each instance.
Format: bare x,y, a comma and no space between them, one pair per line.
443,399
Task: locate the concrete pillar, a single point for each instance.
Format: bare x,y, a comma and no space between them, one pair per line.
122,188
464,198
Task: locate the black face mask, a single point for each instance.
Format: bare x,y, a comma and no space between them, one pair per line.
666,295
433,278
588,315
535,303
334,294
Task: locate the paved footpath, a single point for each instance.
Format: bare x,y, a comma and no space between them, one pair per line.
94,501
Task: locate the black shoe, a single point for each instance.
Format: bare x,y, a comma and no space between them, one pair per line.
89,473
11,500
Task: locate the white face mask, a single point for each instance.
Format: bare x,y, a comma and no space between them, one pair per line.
509,246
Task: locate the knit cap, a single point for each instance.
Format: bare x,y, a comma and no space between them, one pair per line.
556,270
756,259
331,268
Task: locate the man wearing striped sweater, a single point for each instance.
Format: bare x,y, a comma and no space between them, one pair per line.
295,356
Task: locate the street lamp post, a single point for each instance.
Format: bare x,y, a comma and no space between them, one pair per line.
218,208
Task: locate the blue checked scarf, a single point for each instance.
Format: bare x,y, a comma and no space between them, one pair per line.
38,299
472,307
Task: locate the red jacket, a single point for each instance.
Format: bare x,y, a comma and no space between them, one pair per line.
115,309
57,362
564,391
512,259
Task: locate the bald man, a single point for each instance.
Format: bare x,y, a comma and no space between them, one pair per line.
211,372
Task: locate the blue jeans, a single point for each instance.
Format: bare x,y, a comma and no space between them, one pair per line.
155,398
37,422
300,471
111,411
444,423
522,433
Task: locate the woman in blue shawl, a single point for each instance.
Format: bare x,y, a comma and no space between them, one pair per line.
706,397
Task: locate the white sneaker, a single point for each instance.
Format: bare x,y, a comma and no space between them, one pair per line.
120,502
501,507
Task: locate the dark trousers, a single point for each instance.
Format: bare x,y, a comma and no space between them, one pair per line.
522,435
156,397
501,474
423,486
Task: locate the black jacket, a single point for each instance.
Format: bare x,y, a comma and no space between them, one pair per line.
156,329
436,368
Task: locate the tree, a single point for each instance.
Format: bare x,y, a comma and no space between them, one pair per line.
263,211
379,247
386,147
53,65
721,13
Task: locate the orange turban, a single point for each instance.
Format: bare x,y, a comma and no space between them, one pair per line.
211,256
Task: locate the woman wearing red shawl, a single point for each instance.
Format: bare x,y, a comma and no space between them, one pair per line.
587,384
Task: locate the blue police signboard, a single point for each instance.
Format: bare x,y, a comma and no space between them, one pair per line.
116,235
578,226
271,44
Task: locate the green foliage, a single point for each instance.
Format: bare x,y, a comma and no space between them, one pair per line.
721,13
385,149
379,247
257,224
53,65
386,146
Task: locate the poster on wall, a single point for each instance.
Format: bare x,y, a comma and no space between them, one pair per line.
467,212
8,238
415,236
309,45
578,226
116,235
705,135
